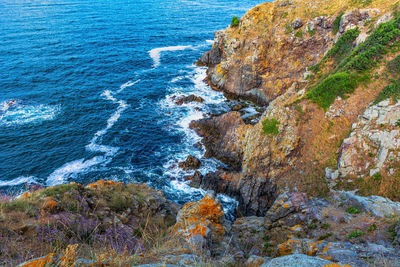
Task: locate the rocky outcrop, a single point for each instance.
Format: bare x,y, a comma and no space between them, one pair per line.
191,163
373,142
222,137
299,260
188,99
254,195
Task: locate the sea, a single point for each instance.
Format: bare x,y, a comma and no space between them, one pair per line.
88,90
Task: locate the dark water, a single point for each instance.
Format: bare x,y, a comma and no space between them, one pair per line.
86,88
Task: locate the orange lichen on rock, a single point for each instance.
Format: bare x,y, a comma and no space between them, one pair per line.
41,262
199,218
100,183
26,194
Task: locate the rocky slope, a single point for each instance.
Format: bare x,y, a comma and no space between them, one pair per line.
316,66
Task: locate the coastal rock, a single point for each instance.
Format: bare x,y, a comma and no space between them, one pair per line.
187,99
254,195
354,18
191,163
222,137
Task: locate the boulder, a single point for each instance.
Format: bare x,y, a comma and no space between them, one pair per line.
191,163
298,260
296,24
187,99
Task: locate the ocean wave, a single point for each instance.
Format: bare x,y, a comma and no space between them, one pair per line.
70,169
155,53
18,181
14,113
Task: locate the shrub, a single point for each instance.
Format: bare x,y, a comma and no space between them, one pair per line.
355,234
336,23
270,126
299,34
338,84
353,210
344,45
390,91
235,22
394,66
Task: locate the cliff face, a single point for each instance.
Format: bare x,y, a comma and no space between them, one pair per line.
317,66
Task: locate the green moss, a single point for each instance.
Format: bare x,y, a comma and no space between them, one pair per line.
355,234
270,126
312,32
338,84
336,23
288,28
325,225
235,22
353,210
390,91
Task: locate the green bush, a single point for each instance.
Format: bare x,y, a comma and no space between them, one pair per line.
338,84
336,23
390,91
355,234
270,126
343,46
367,53
353,210
235,22
394,66
299,34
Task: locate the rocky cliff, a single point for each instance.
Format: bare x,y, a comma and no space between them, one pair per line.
320,68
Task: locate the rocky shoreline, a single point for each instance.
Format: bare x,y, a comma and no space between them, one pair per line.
316,177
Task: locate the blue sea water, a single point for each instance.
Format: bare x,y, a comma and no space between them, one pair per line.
87,88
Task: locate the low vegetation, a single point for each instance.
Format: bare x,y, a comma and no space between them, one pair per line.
235,22
270,126
353,64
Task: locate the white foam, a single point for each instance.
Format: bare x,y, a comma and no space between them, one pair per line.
127,84
155,53
18,181
72,168
209,41
18,114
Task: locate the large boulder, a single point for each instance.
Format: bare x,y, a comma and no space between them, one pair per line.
191,163
298,260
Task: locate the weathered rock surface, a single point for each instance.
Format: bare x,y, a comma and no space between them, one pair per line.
298,260
374,141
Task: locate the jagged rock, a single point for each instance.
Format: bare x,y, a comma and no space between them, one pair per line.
191,163
195,179
396,240
354,18
297,23
222,137
376,205
298,260
254,195
187,99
